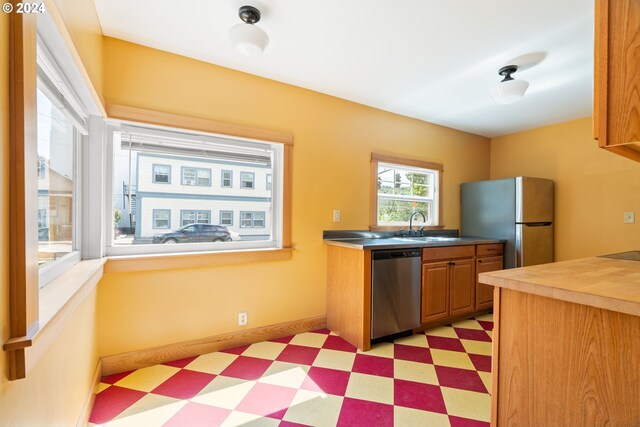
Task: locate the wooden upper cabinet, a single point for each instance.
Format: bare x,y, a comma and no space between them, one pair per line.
616,115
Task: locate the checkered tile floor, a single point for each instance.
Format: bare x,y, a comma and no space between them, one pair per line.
440,378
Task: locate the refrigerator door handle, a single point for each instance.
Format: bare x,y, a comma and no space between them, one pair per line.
534,244
535,224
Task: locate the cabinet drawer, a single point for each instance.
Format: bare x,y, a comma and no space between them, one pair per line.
447,252
490,250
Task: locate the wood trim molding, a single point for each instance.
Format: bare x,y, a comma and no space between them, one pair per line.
23,239
387,158
287,190
193,260
601,72
83,419
495,357
140,115
142,358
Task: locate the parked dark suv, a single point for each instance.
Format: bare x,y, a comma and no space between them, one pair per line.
195,233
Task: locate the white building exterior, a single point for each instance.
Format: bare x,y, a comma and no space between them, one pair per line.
172,191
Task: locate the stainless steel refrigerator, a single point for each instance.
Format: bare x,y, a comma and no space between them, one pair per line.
518,210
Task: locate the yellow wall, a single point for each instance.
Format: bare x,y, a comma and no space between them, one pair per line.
593,187
334,139
57,385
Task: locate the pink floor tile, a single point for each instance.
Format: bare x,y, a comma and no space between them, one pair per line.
267,400
290,424
373,365
414,354
486,325
184,384
415,395
472,334
181,363
283,340
463,379
481,362
112,401
236,350
466,422
357,412
444,343
112,379
298,354
329,381
322,331
247,368
334,342
197,415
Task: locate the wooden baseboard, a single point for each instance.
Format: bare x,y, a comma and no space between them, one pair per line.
83,419
451,320
142,358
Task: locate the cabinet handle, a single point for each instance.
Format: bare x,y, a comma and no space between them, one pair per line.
479,261
452,263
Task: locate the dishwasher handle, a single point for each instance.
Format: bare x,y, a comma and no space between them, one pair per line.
396,253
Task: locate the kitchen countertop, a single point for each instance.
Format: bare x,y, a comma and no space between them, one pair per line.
408,242
611,284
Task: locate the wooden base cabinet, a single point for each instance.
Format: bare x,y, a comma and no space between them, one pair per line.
435,291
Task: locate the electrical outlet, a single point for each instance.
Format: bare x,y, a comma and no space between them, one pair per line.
243,318
629,217
336,215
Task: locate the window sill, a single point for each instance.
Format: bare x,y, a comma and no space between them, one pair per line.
57,302
403,227
121,264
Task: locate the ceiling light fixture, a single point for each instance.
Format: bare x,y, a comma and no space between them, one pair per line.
508,90
247,38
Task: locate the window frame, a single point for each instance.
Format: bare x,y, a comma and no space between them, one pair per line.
220,217
253,180
154,219
196,212
253,220
153,173
222,179
268,184
196,170
376,159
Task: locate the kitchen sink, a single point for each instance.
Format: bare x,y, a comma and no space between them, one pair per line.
425,239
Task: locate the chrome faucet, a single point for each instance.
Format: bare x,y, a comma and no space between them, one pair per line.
424,219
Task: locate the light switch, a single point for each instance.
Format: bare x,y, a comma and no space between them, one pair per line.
336,215
629,217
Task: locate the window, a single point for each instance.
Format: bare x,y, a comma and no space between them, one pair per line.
405,186
227,178
252,219
226,217
268,181
196,176
194,217
246,179
161,218
162,174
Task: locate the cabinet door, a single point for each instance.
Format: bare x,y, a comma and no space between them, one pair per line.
484,293
463,286
435,291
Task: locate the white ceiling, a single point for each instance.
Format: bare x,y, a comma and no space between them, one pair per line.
434,60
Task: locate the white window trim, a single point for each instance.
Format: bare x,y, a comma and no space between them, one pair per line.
277,194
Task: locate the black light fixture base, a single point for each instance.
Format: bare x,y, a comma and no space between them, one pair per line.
506,71
249,14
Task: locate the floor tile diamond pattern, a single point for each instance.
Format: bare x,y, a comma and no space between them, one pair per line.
438,378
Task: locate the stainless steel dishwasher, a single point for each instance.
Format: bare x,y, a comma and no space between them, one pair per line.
395,291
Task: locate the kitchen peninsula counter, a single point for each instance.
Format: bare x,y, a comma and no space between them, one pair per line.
566,343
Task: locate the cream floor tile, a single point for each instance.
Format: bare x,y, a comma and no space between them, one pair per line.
237,419
442,331
335,359
454,359
370,387
490,333
101,387
417,340
413,417
467,404
285,374
477,347
265,350
486,379
309,339
212,363
146,379
486,317
414,371
468,324
316,409
224,392
383,349
151,410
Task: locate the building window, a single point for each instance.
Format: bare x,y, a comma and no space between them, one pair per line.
196,176
269,181
161,174
226,217
247,179
251,219
403,188
161,218
42,167
194,217
227,179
